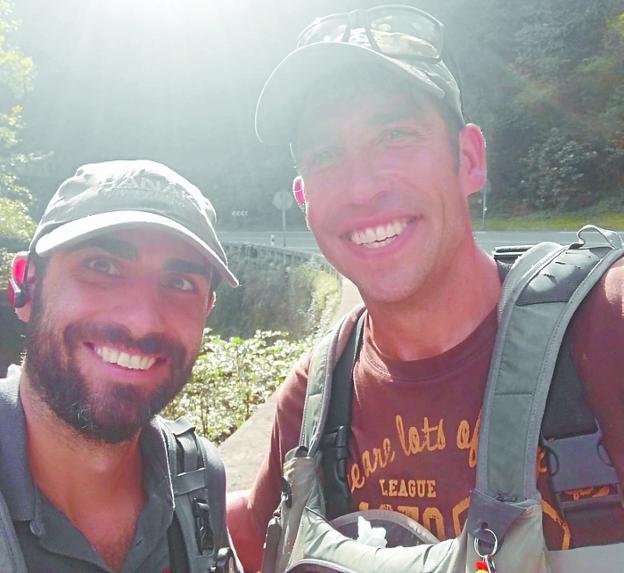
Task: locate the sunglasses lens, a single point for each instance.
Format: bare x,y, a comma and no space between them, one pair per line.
397,32
326,30
407,34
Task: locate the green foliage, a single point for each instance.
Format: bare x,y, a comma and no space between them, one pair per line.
5,266
16,72
16,226
317,293
298,300
558,170
231,378
546,80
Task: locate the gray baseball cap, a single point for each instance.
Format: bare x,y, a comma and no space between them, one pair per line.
115,195
323,49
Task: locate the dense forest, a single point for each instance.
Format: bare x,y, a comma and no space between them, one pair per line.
86,80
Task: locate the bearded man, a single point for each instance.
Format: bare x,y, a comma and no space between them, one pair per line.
115,289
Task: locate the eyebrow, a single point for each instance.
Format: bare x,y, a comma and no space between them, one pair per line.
126,250
413,109
188,267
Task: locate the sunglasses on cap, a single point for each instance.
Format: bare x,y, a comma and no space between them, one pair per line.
395,31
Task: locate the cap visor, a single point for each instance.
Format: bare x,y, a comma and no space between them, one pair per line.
80,230
283,92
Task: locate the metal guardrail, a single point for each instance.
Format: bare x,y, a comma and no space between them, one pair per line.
276,257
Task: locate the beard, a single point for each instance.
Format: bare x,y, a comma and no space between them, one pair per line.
108,411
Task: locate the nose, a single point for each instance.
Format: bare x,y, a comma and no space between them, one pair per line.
362,182
141,311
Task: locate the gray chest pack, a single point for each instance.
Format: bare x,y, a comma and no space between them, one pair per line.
543,288
198,539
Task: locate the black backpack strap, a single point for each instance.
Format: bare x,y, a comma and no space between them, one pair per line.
335,442
198,539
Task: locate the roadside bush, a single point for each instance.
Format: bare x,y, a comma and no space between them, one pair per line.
565,173
231,378
300,300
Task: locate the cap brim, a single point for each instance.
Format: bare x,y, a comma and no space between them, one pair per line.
80,230
282,94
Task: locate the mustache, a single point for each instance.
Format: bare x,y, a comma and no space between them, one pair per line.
154,343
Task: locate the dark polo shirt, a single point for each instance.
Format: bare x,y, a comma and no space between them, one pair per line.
49,541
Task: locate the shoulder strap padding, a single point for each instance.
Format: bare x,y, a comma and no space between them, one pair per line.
198,479
542,291
324,357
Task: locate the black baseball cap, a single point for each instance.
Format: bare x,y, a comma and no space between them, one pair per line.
115,195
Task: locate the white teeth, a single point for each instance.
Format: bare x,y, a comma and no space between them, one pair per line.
124,359
132,362
375,237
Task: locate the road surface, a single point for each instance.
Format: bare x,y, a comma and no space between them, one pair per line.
304,241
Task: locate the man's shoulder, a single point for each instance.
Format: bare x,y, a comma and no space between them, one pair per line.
606,299
9,392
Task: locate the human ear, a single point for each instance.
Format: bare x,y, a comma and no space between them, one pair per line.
472,158
21,285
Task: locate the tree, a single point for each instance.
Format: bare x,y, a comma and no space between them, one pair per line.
16,225
16,71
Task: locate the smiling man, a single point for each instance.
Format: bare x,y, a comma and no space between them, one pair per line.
115,290
386,165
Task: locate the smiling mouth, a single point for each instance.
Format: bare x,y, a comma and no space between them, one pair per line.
124,359
379,236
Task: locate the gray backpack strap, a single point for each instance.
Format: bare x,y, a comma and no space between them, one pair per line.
540,295
11,558
198,479
325,355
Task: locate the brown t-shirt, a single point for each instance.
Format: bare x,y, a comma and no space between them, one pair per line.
415,425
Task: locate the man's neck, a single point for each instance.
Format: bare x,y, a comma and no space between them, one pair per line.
98,486
439,316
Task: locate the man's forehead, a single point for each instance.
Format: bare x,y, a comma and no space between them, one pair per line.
321,116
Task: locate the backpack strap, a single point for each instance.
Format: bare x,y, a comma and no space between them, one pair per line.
571,434
198,538
325,355
337,431
544,288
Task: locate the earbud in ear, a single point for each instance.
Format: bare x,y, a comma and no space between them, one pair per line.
298,190
17,289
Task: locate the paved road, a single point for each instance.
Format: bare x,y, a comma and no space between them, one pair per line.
304,241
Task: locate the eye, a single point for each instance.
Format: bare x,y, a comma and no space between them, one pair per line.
102,265
395,134
178,282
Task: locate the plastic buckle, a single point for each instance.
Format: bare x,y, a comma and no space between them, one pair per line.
580,462
225,561
203,531
339,440
286,492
